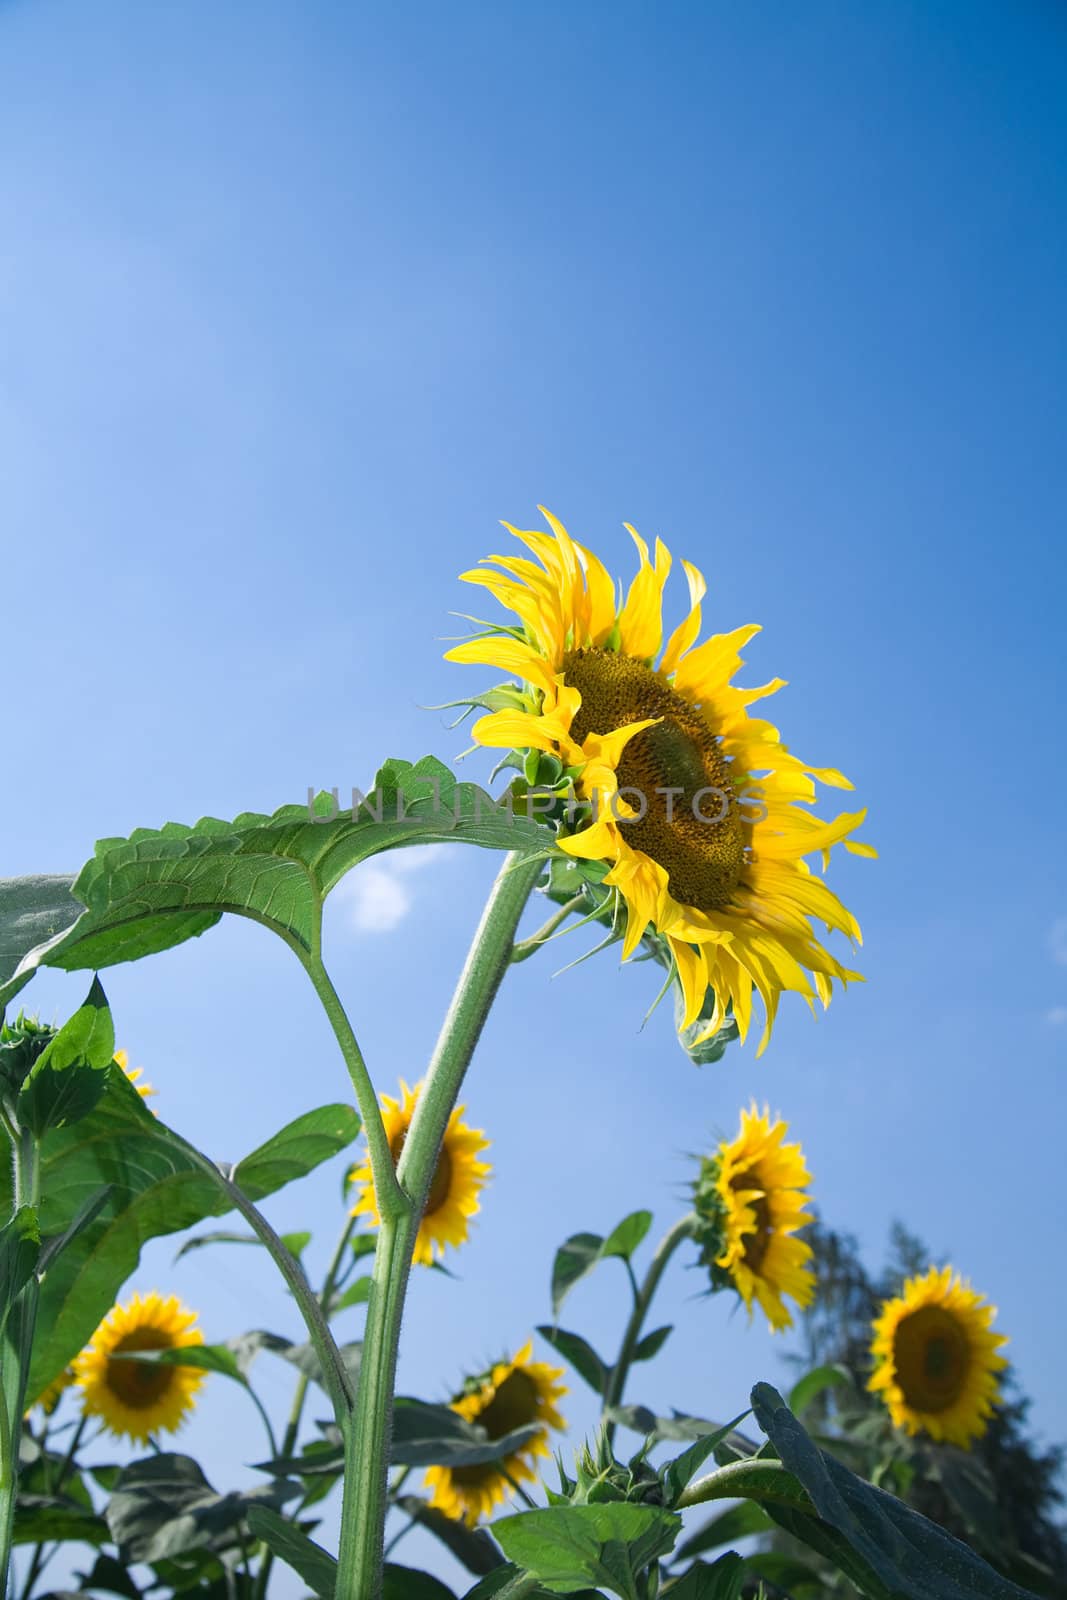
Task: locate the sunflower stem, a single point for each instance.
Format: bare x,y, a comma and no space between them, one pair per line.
387,1191
368,1433
16,1345
615,1386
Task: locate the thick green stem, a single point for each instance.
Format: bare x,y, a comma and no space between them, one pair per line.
367,1437
16,1346
525,948
296,1410
616,1384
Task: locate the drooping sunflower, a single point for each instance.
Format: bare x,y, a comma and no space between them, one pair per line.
145,1090
512,1394
696,807
140,1398
937,1360
750,1202
458,1178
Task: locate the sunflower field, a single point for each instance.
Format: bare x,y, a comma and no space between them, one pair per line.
640,794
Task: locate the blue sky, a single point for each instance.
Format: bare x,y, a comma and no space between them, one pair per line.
295,303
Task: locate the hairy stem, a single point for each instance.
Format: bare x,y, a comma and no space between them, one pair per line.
367,1436
643,1297
16,1345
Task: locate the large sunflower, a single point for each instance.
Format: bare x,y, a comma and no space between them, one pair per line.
936,1358
697,808
458,1178
513,1394
750,1201
140,1398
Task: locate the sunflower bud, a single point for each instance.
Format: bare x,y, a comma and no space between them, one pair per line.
21,1043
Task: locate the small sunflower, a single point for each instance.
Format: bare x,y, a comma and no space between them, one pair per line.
697,808
750,1201
936,1358
513,1394
145,1090
140,1398
458,1178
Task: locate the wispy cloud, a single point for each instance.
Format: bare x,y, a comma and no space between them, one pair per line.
1056,1017
379,894
1057,940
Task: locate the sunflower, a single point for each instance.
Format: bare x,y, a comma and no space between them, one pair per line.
458,1179
750,1201
513,1394
697,809
140,1398
936,1358
145,1090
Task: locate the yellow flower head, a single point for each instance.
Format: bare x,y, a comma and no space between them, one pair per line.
750,1202
458,1178
513,1394
936,1360
140,1398
698,810
145,1090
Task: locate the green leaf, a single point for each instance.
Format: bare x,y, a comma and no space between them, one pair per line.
111,1575
785,1572
471,1546
407,1583
308,1560
162,886
816,1382
296,1243
581,1355
909,1555
427,1435
32,911
20,1247
70,1075
711,1050
676,1474
206,1357
652,1343
40,1518
298,1149
164,1506
575,1257
357,1294
726,1527
719,1582
153,1187
567,1548
624,1240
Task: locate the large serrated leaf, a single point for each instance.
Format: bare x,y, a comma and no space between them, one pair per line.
70,1074
309,1560
153,1187
568,1548
32,911
161,886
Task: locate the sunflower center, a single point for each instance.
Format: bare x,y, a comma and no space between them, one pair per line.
514,1405
932,1357
755,1244
674,775
140,1384
440,1184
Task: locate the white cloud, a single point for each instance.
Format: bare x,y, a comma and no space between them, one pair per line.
1057,1016
1058,941
378,893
